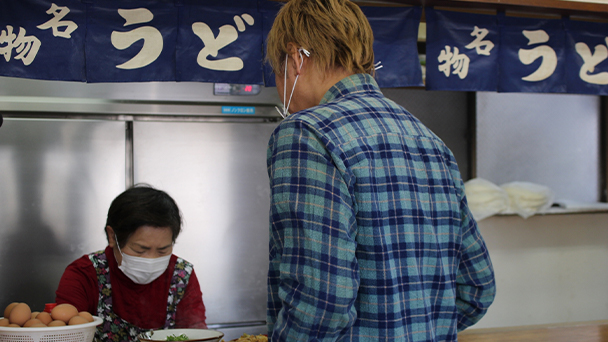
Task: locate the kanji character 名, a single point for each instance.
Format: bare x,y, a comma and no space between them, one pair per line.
55,23
482,47
549,63
226,36
153,39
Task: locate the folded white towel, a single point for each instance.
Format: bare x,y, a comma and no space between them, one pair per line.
485,198
527,199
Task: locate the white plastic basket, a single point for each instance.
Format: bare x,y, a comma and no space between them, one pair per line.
69,333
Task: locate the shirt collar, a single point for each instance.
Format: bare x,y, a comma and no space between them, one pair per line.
357,83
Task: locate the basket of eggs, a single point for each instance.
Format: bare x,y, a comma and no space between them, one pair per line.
62,324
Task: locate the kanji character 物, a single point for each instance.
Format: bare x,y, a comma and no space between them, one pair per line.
460,62
26,47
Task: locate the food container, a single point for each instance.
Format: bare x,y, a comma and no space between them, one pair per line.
193,335
69,333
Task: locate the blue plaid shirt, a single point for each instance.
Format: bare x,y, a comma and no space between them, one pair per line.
371,238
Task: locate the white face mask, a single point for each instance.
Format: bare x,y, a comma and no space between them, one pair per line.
285,112
142,270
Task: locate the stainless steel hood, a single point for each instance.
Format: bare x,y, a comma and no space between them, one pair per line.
126,101
148,91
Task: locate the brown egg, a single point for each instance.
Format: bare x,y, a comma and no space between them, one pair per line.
38,325
77,320
20,314
31,322
44,317
56,323
13,325
35,313
4,322
86,315
64,312
8,309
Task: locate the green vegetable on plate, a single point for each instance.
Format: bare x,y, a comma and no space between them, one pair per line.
181,337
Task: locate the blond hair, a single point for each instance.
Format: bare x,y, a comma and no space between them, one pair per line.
336,32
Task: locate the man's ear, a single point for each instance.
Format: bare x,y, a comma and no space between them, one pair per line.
292,48
296,57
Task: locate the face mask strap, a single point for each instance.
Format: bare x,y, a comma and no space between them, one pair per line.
117,245
284,113
285,86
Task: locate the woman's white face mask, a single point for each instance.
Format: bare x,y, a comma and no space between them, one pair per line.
142,270
285,111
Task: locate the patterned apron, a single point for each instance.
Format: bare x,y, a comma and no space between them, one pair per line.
114,328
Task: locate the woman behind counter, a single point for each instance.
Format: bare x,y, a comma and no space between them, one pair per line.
136,284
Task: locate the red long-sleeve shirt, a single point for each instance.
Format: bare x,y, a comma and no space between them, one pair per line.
142,305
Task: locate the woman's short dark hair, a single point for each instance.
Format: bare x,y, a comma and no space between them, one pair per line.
142,205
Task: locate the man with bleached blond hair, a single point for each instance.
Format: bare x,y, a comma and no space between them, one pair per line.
371,237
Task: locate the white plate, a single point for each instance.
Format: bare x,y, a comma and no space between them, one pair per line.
192,334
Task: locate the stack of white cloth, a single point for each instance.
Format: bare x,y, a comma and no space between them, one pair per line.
522,198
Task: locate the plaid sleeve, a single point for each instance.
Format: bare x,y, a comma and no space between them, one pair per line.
475,282
313,273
